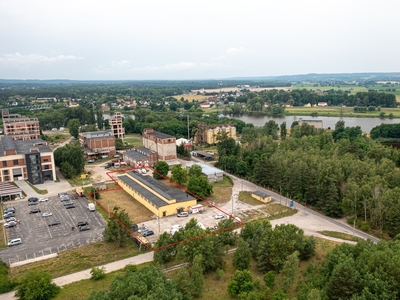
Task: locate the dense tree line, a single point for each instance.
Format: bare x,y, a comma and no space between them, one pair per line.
339,172
70,160
386,131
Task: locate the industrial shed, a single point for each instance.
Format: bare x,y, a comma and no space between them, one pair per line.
263,197
212,174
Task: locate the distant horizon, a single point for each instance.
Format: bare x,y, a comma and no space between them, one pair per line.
266,77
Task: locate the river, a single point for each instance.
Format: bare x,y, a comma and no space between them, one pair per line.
366,124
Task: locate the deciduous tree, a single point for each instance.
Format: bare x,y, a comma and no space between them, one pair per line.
115,232
36,285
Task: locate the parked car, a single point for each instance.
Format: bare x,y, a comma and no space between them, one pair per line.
10,224
83,223
8,215
70,206
143,229
33,199
9,209
219,216
64,198
35,211
148,233
11,219
90,161
43,199
66,203
183,214
14,242
54,223
47,214
83,228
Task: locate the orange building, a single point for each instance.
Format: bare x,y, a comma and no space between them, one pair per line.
20,127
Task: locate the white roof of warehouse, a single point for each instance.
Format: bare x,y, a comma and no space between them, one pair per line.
206,169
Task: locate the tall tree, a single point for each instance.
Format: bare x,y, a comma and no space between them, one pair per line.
200,186
283,130
242,257
161,168
115,231
36,285
73,127
179,175
290,270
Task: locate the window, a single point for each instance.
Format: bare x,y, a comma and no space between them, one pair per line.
5,172
46,160
46,167
6,178
15,161
4,164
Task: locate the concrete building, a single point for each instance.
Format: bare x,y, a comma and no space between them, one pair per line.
263,197
116,125
154,195
207,134
20,127
20,160
212,174
161,143
98,144
140,157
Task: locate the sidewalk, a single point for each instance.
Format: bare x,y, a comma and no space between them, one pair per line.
111,267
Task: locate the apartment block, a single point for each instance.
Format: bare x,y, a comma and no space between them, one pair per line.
207,134
161,143
31,160
20,127
98,144
116,125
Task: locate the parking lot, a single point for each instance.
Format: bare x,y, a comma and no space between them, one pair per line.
39,239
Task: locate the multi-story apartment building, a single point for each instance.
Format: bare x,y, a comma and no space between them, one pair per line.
207,134
98,144
20,127
20,160
116,125
161,143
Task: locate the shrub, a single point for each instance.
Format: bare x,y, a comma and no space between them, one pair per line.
219,273
98,273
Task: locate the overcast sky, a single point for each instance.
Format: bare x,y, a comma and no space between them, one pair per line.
196,39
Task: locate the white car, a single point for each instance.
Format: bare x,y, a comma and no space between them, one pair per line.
12,219
143,229
47,214
43,199
10,224
219,216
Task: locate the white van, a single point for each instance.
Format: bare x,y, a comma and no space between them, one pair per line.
14,242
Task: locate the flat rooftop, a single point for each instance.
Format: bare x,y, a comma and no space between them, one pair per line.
97,134
22,147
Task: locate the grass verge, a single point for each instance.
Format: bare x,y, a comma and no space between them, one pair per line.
2,236
40,192
78,259
340,235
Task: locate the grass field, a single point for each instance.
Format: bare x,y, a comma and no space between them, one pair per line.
336,111
79,259
352,88
134,140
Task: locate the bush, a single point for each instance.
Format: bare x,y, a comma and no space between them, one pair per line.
98,273
219,273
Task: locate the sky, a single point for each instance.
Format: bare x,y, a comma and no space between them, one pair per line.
196,39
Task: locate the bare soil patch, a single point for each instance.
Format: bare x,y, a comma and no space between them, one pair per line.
136,211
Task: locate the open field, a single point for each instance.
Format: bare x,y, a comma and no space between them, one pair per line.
336,111
222,191
134,140
352,88
136,211
78,259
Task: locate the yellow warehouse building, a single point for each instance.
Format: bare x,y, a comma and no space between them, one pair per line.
155,196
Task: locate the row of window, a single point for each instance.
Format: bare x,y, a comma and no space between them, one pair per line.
16,162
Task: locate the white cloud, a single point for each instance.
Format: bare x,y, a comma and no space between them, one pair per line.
235,50
22,59
122,64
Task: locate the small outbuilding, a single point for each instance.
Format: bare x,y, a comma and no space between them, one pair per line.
99,186
263,197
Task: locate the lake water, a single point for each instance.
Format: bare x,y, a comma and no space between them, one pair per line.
366,124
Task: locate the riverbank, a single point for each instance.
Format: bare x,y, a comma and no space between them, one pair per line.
336,111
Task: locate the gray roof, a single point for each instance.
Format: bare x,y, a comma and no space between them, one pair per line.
261,194
7,189
156,186
206,169
135,155
97,134
22,147
145,151
161,135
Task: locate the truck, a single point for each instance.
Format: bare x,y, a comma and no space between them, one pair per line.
79,191
91,207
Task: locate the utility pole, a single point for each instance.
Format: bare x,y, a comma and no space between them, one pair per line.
280,195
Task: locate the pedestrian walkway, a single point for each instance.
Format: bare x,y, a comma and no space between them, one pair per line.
82,275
